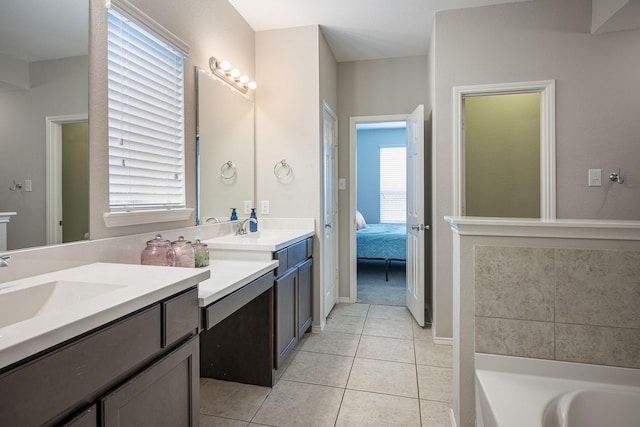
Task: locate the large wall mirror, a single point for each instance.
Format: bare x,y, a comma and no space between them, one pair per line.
225,150
43,86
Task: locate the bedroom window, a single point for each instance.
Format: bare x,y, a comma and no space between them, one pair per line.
146,115
393,184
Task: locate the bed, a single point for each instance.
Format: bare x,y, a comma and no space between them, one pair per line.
386,242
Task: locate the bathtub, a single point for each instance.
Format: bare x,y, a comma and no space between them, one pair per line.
516,391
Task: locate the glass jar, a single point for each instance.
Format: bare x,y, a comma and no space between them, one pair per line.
185,255
201,253
158,252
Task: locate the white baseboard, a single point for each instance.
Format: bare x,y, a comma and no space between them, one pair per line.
317,329
452,418
344,300
443,340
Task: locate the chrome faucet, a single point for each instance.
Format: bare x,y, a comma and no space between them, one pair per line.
4,260
241,229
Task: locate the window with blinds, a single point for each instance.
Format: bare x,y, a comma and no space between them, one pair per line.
393,184
146,117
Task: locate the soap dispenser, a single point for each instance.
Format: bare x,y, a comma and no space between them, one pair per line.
234,215
253,226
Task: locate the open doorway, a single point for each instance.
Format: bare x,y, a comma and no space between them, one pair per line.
67,178
381,216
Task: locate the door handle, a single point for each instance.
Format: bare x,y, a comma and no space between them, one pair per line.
420,227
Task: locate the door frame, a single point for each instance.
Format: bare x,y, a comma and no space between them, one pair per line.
353,262
328,111
54,173
547,91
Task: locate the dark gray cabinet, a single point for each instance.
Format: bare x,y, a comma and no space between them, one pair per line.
292,297
57,385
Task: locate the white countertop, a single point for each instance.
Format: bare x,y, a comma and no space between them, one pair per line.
228,276
267,240
140,286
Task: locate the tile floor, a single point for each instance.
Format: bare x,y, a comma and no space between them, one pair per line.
371,366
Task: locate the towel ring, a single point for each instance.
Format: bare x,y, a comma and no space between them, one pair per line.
282,169
228,170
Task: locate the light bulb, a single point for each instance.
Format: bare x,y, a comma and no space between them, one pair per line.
252,85
235,73
244,79
225,65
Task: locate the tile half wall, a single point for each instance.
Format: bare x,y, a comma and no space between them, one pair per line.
577,305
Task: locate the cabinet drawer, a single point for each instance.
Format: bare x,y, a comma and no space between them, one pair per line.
283,263
220,310
180,316
297,253
49,388
309,247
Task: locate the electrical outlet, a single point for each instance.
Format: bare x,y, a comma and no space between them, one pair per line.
595,177
247,206
264,207
342,184
27,185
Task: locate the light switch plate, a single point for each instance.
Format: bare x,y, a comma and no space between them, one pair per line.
595,177
342,184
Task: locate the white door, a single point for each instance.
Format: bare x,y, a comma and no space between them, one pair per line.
330,247
415,215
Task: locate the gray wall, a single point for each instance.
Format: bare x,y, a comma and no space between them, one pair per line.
57,87
597,100
372,88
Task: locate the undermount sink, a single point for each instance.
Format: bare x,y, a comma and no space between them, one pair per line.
25,302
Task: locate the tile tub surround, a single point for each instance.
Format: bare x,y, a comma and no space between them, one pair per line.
576,305
479,321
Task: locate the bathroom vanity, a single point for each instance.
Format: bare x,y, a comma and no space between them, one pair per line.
249,332
101,345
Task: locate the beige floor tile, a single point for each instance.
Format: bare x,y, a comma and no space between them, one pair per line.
298,404
285,363
388,328
392,312
318,368
428,353
332,343
381,376
435,414
345,309
361,408
211,421
345,324
383,348
231,400
435,383
422,333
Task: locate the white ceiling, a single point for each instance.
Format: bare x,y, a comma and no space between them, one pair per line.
358,29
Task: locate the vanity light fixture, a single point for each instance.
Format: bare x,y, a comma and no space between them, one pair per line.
231,76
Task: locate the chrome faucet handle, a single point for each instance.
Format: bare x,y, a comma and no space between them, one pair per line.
4,260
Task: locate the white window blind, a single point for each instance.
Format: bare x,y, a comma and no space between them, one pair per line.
146,117
393,184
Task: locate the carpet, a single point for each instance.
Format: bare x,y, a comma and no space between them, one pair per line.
373,289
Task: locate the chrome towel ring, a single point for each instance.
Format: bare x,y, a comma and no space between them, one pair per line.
228,170
282,169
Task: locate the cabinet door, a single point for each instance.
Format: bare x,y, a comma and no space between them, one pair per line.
285,308
304,296
165,394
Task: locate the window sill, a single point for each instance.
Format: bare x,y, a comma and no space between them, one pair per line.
124,218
